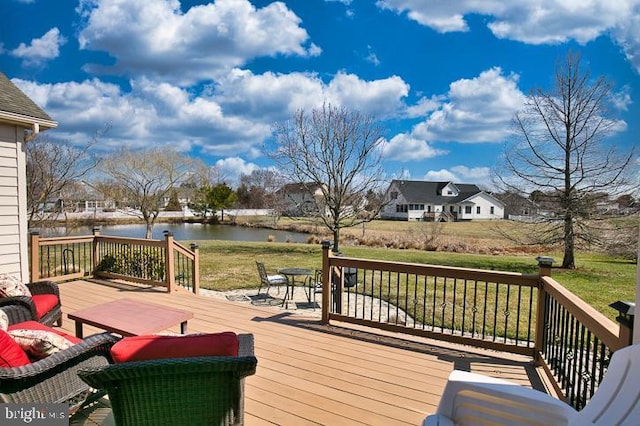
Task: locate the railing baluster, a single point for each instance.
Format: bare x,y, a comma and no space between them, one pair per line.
433,309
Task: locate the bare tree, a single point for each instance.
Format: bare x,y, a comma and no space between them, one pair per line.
53,168
261,190
142,179
333,153
560,153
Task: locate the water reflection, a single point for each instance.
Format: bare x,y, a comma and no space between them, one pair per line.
191,232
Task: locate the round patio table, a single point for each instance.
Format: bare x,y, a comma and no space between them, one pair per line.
291,274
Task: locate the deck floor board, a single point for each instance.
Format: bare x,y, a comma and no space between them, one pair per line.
309,373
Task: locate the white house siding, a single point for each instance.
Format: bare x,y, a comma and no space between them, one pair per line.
13,221
484,202
389,210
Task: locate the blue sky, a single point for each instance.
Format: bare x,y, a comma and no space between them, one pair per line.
211,78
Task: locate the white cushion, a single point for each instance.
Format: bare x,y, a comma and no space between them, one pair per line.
39,344
4,320
275,279
11,286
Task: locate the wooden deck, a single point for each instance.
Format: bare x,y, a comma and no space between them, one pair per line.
309,373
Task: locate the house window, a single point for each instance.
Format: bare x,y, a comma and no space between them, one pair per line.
401,208
449,192
428,209
478,210
467,209
452,209
394,195
492,210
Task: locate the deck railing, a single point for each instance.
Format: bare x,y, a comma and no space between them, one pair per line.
164,263
575,342
529,314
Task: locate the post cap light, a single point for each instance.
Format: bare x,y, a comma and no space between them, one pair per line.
545,261
625,308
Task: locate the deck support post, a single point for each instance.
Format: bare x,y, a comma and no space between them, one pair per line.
544,270
196,268
326,281
170,278
95,251
34,264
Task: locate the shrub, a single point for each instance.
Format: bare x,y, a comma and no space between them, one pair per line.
135,263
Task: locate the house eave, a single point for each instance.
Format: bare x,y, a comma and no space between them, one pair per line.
27,121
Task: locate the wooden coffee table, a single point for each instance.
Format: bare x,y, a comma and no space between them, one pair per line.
129,317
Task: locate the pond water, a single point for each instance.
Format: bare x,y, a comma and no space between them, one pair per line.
191,232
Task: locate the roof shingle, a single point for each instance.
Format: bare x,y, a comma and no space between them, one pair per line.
14,101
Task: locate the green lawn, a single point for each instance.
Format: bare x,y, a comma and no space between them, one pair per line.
599,280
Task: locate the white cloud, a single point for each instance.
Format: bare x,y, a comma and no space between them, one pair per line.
379,98
270,97
232,118
185,47
231,168
440,175
534,22
372,57
41,49
621,99
627,35
277,96
475,110
461,174
151,113
403,147
424,106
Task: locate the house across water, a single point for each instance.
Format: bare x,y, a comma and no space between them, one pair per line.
439,201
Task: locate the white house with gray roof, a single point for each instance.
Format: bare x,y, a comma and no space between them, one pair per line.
20,121
439,201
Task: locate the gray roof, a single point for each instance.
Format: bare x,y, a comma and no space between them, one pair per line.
419,191
15,102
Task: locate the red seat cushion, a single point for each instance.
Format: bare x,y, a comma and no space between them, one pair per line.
11,354
140,348
35,325
44,303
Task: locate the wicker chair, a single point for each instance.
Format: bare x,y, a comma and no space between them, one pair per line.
41,288
54,379
198,390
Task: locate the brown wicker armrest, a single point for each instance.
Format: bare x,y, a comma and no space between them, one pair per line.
17,313
44,287
25,303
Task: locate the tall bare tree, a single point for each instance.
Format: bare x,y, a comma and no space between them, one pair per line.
142,180
333,153
53,168
261,190
560,152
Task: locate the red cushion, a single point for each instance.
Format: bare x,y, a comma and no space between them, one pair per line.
35,325
140,348
11,354
44,303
